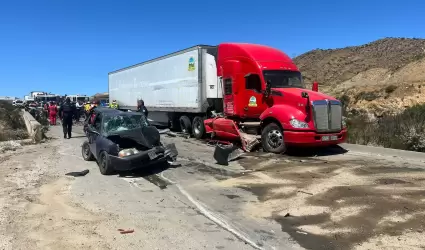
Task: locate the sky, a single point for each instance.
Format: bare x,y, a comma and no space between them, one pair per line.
68,47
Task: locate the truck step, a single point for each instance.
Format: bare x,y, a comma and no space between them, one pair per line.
250,124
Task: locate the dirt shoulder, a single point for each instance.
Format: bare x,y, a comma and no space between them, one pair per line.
36,210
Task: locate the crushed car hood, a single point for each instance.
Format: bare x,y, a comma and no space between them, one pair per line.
148,137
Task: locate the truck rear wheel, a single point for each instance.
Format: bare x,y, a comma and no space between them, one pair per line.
198,127
185,124
272,139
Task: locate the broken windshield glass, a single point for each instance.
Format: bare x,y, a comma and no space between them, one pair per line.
115,123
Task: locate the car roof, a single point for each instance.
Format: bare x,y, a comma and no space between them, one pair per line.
114,111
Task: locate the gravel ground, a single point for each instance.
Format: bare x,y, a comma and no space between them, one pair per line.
317,200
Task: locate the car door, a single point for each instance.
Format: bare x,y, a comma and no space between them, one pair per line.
95,135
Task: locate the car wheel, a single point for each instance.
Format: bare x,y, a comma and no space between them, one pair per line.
198,127
272,139
185,124
104,164
86,152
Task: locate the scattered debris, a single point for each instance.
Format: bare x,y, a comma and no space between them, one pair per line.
171,134
129,231
287,215
9,145
304,192
164,131
300,232
78,174
225,153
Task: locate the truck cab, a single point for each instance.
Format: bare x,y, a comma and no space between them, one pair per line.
262,84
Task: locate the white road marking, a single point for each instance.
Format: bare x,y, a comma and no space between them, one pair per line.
202,209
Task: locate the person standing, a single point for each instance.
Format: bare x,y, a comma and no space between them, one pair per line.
53,112
141,108
113,105
66,113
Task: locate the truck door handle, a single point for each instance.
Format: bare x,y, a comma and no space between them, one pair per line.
246,108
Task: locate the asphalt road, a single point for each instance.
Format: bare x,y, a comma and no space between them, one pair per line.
312,200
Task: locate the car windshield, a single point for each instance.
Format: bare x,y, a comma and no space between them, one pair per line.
121,122
283,78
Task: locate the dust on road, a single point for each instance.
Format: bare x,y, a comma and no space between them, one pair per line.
341,202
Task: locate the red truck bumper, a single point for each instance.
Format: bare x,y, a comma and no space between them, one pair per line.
313,139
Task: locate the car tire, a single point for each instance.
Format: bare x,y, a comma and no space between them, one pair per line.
272,139
105,164
185,124
86,152
198,127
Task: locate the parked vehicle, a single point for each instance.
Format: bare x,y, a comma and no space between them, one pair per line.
18,103
122,141
231,91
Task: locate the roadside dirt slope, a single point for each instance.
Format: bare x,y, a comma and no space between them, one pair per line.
383,76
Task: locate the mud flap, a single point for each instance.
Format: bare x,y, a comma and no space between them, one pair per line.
225,153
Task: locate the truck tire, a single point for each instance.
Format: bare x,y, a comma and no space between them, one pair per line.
185,124
104,164
272,139
198,127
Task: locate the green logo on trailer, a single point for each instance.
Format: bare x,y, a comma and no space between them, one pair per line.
191,64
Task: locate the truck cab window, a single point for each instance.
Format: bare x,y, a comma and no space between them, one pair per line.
284,78
228,86
253,82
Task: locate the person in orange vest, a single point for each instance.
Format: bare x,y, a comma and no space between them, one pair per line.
53,112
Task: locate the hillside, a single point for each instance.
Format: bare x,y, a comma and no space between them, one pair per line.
384,76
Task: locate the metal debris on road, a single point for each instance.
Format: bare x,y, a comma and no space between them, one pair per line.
304,192
129,231
78,174
225,153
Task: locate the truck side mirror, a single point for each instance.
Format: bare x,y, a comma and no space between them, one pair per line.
268,88
315,86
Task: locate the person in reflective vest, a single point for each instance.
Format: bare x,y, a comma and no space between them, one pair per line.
113,105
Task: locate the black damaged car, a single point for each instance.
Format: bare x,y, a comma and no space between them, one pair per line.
124,141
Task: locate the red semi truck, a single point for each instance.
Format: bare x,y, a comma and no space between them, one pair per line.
231,92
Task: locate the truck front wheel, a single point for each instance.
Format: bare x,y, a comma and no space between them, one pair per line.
272,139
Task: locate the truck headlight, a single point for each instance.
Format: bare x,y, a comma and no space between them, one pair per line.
298,124
343,122
127,152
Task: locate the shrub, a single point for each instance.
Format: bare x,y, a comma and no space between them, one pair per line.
390,89
12,125
368,96
403,131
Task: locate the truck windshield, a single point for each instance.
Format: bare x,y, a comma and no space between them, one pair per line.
284,78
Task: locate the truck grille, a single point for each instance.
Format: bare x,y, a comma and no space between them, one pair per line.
327,115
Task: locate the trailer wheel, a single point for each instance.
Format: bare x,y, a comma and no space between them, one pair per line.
198,127
272,139
185,124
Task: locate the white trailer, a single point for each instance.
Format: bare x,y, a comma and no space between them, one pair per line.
183,83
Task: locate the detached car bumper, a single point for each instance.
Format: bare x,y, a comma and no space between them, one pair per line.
313,139
145,159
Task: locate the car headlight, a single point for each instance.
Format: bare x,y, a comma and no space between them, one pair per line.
127,152
298,124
